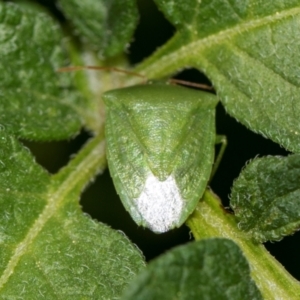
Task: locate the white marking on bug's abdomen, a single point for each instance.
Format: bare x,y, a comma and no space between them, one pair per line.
160,203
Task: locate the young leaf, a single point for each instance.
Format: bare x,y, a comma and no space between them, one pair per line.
106,25
266,197
249,49
48,248
35,103
207,269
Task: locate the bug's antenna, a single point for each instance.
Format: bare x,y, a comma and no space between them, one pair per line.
97,68
79,68
192,84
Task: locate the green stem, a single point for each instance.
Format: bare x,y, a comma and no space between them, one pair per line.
158,65
89,162
211,220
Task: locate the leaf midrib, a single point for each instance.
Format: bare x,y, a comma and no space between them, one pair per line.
196,47
77,174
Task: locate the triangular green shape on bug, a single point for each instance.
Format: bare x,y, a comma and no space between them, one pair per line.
160,144
161,130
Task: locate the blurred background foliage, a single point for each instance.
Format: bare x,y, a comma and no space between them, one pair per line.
100,199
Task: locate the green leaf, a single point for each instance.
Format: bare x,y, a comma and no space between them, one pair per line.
35,103
266,197
93,83
207,269
107,26
48,248
249,49
210,219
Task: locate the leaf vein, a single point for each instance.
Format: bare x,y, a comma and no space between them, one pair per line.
194,48
73,175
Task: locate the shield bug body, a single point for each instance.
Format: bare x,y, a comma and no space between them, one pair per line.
160,150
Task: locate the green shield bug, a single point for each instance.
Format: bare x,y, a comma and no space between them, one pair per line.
160,150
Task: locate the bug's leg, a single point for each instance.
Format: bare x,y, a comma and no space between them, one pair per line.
220,139
192,84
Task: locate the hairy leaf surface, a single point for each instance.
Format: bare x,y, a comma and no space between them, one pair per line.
35,103
266,197
250,51
48,248
106,25
207,269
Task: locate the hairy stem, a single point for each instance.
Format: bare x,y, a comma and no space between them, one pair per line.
211,220
89,162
